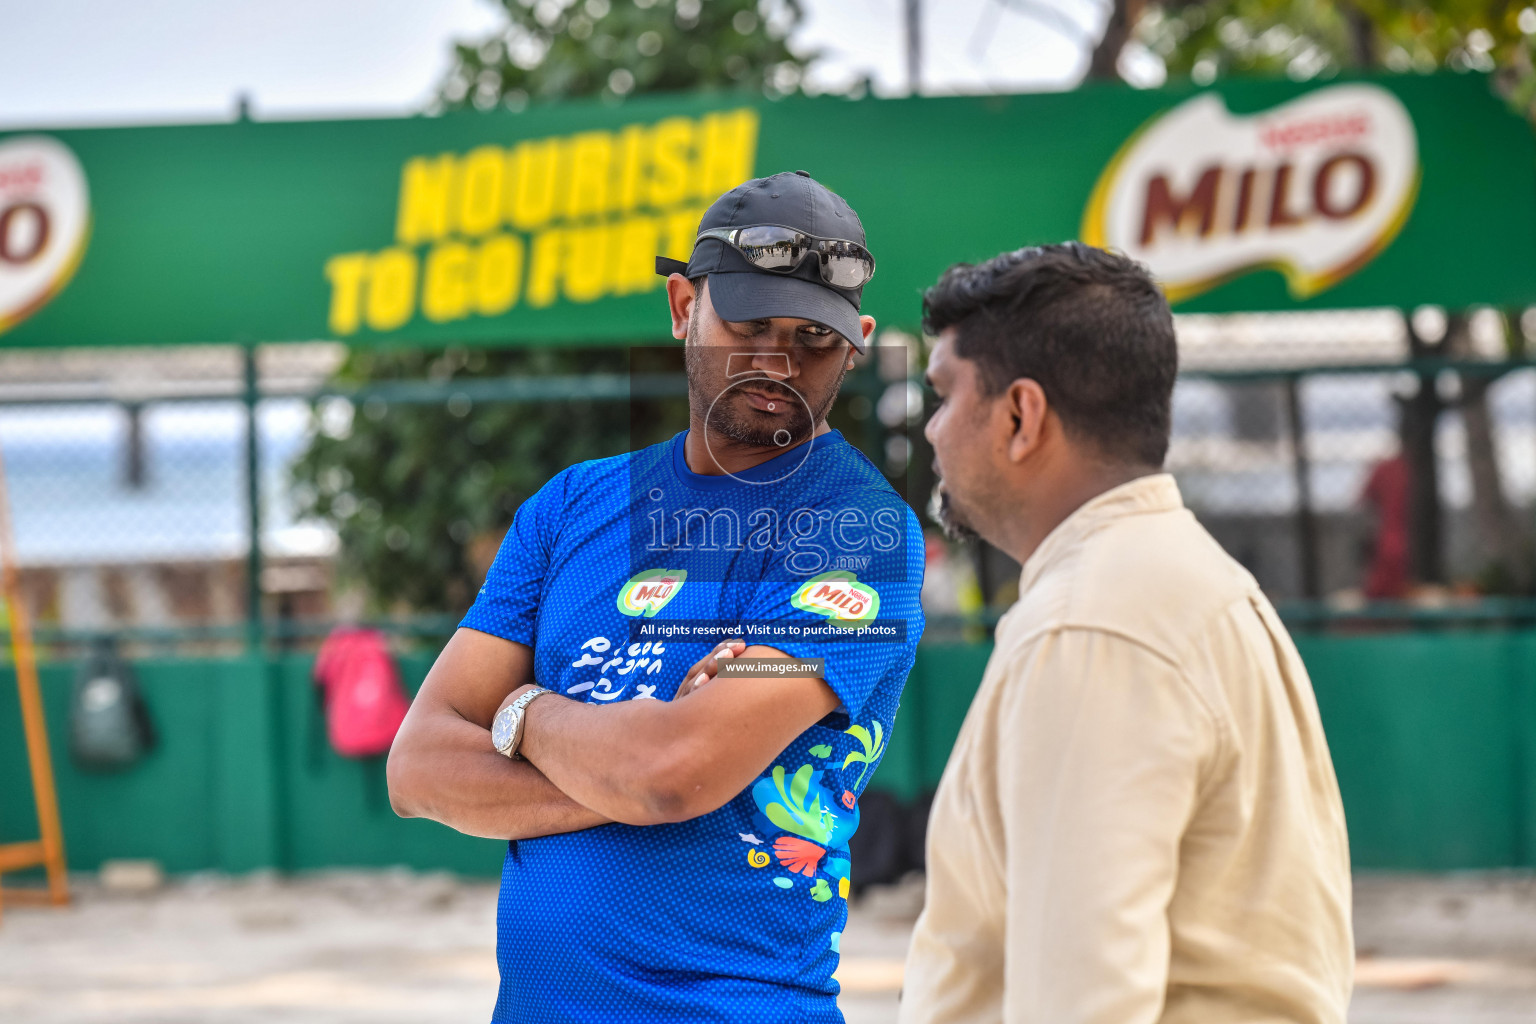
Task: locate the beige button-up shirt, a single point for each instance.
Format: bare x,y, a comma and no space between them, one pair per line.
1139,821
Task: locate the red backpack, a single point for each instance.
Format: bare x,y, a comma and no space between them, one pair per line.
364,701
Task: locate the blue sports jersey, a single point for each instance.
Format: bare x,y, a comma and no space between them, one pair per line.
612,573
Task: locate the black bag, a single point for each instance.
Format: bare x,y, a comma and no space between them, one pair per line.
109,724
878,848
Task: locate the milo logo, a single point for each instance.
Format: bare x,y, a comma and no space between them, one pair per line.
45,220
648,592
840,597
1314,188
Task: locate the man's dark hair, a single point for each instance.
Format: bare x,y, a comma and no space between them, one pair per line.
698,285
1089,326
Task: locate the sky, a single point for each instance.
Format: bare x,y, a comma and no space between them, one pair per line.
84,62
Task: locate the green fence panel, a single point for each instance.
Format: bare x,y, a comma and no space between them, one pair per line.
944,679
1523,768
337,811
1433,737
165,807
247,736
1428,743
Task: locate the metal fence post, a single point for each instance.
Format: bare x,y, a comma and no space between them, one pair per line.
252,504
1306,520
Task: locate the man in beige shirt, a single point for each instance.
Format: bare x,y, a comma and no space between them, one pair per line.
1139,821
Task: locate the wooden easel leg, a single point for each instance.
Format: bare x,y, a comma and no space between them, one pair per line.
44,793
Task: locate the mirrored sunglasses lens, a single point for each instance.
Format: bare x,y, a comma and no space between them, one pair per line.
847,271
771,248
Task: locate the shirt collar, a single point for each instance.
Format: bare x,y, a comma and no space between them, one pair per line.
1155,493
774,470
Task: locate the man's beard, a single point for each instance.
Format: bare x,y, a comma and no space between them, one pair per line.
711,390
944,513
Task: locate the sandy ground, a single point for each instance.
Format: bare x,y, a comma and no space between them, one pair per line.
401,948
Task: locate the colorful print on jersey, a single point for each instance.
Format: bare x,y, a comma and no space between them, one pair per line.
648,592
814,827
840,597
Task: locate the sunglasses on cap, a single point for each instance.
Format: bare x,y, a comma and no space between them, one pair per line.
778,249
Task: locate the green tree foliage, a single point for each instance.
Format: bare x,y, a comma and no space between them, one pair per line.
417,492
553,49
420,494
1308,38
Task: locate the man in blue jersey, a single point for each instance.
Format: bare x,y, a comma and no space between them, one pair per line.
679,851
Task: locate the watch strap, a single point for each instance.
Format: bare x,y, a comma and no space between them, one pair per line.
519,710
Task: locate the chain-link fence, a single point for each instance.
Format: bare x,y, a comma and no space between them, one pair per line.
1368,464
1311,481
131,476
1354,475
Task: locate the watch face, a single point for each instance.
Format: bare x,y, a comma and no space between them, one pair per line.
501,728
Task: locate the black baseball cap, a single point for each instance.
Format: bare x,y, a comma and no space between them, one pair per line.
740,291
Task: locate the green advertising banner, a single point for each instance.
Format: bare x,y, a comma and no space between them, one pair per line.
541,227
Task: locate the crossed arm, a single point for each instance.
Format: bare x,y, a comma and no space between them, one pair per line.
639,762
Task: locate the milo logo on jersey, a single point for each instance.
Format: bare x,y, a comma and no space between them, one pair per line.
840,597
648,592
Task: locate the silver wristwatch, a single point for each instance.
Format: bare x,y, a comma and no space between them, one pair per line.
507,727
